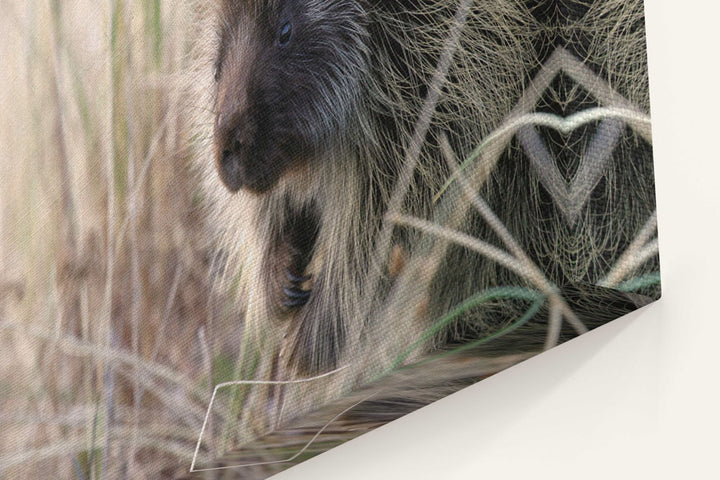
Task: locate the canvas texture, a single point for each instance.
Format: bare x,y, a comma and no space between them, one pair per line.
234,235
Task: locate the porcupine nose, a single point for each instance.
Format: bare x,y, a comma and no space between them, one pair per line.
232,142
231,164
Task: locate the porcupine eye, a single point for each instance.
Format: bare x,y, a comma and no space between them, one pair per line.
285,34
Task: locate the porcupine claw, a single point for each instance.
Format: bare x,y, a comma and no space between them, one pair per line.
297,279
296,296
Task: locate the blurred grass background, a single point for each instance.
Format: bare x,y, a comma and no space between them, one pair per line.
107,317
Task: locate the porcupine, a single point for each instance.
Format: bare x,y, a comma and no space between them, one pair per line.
313,105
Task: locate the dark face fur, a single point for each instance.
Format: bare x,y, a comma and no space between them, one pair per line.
288,75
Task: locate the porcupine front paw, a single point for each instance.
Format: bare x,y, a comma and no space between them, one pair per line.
295,296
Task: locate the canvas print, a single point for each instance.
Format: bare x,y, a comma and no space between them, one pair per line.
235,234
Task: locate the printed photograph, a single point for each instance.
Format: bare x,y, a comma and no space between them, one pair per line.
235,234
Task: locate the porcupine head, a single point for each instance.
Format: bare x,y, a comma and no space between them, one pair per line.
291,79
313,104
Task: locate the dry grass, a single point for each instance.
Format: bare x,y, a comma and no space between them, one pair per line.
107,316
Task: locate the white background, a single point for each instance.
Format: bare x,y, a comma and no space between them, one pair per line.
638,398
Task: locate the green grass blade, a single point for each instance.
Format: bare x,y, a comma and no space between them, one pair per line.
491,294
640,282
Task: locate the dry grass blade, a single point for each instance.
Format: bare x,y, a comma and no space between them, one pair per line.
251,382
417,141
640,250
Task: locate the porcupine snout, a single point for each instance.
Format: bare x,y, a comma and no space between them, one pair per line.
257,139
254,145
233,147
